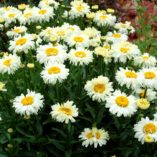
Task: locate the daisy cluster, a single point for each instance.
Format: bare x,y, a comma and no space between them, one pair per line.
115,74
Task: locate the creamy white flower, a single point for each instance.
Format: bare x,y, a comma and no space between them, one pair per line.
125,28
147,78
16,31
115,37
120,104
64,112
11,16
9,64
80,56
50,53
46,34
94,36
78,39
46,3
146,130
94,136
22,44
78,9
105,51
28,104
54,72
143,93
98,88
28,16
145,60
127,77
70,28
103,19
124,50
44,14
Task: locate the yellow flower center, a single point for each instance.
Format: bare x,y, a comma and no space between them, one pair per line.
42,11
122,101
78,39
89,135
116,35
28,15
145,57
54,70
52,51
7,62
150,128
99,88
11,15
17,30
80,54
124,49
130,74
80,8
21,41
28,100
98,135
103,17
149,75
66,110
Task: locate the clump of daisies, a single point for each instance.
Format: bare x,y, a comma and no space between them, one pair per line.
80,53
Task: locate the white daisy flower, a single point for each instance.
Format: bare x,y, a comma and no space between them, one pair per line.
125,28
22,44
28,104
94,35
60,32
120,104
44,14
80,56
64,112
145,60
70,28
147,78
127,77
124,50
103,19
105,51
78,39
47,3
78,9
94,136
11,16
146,130
50,53
98,88
115,37
46,34
16,31
28,16
148,94
9,64
54,72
